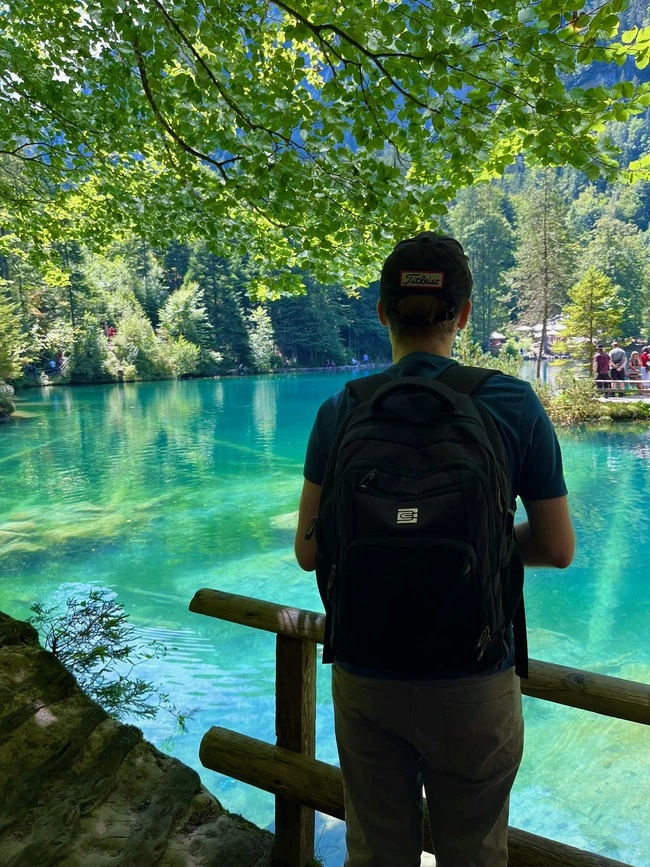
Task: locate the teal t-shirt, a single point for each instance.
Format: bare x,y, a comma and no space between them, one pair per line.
531,446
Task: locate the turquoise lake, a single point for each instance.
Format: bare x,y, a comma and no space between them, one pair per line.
155,490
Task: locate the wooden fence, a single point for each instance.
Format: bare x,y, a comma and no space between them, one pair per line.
302,784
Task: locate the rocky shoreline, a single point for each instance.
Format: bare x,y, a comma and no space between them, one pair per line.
80,789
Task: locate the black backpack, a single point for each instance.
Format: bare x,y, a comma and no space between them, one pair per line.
416,562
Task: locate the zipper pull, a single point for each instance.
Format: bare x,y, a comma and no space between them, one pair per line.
330,580
483,642
365,481
311,528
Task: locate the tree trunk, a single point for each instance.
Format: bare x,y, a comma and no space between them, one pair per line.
545,289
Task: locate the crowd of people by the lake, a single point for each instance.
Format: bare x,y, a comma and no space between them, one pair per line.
613,370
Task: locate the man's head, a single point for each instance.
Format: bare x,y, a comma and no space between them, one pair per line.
424,285
600,347
614,343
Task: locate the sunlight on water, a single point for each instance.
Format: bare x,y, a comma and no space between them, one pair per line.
156,490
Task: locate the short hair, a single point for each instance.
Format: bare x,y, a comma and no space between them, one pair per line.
418,316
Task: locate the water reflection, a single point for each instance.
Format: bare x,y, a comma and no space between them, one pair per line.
265,412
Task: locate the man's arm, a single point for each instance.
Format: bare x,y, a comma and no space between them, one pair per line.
547,537
305,549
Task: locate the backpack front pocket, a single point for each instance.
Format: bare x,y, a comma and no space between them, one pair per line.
414,603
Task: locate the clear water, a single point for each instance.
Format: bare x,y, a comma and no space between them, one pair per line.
156,490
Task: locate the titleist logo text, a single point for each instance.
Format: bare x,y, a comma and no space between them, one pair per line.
430,279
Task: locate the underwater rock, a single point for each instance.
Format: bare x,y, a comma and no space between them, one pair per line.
287,521
80,788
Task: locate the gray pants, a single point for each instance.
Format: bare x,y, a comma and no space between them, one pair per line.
461,739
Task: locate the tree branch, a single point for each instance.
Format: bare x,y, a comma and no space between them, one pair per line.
218,164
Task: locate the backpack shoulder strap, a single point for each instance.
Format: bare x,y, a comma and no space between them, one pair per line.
467,380
364,388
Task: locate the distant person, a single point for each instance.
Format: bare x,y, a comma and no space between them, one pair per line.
645,366
600,366
634,369
355,361
618,363
365,358
111,332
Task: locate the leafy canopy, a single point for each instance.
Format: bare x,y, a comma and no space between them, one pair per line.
308,134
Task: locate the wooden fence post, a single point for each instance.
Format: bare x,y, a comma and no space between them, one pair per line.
295,728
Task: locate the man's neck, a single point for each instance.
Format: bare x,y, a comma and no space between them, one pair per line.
434,347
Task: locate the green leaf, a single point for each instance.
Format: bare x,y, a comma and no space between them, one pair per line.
629,35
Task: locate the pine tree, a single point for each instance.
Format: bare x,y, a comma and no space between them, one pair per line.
545,254
479,222
13,340
593,314
308,327
184,315
620,251
223,283
149,285
260,338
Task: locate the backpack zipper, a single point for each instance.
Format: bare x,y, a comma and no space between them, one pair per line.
365,481
483,642
311,528
330,581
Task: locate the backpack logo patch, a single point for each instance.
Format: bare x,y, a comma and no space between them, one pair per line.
407,516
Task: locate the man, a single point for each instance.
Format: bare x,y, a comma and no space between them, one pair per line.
618,360
461,737
600,366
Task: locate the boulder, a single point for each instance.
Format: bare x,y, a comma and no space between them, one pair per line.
80,789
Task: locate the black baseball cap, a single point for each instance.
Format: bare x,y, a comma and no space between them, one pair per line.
428,264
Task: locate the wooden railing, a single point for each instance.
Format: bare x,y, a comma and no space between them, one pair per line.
302,784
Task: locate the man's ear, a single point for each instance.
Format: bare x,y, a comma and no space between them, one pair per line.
381,313
464,314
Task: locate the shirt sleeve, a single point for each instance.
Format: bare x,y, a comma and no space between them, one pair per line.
542,475
320,439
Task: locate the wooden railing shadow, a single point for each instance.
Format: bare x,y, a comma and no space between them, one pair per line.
302,784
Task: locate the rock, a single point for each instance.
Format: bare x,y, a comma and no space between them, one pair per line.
81,789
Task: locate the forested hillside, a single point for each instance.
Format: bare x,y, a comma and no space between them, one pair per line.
115,264
530,237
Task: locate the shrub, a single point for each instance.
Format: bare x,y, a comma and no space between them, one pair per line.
7,406
183,356
628,411
92,638
575,401
88,360
184,315
137,346
466,351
